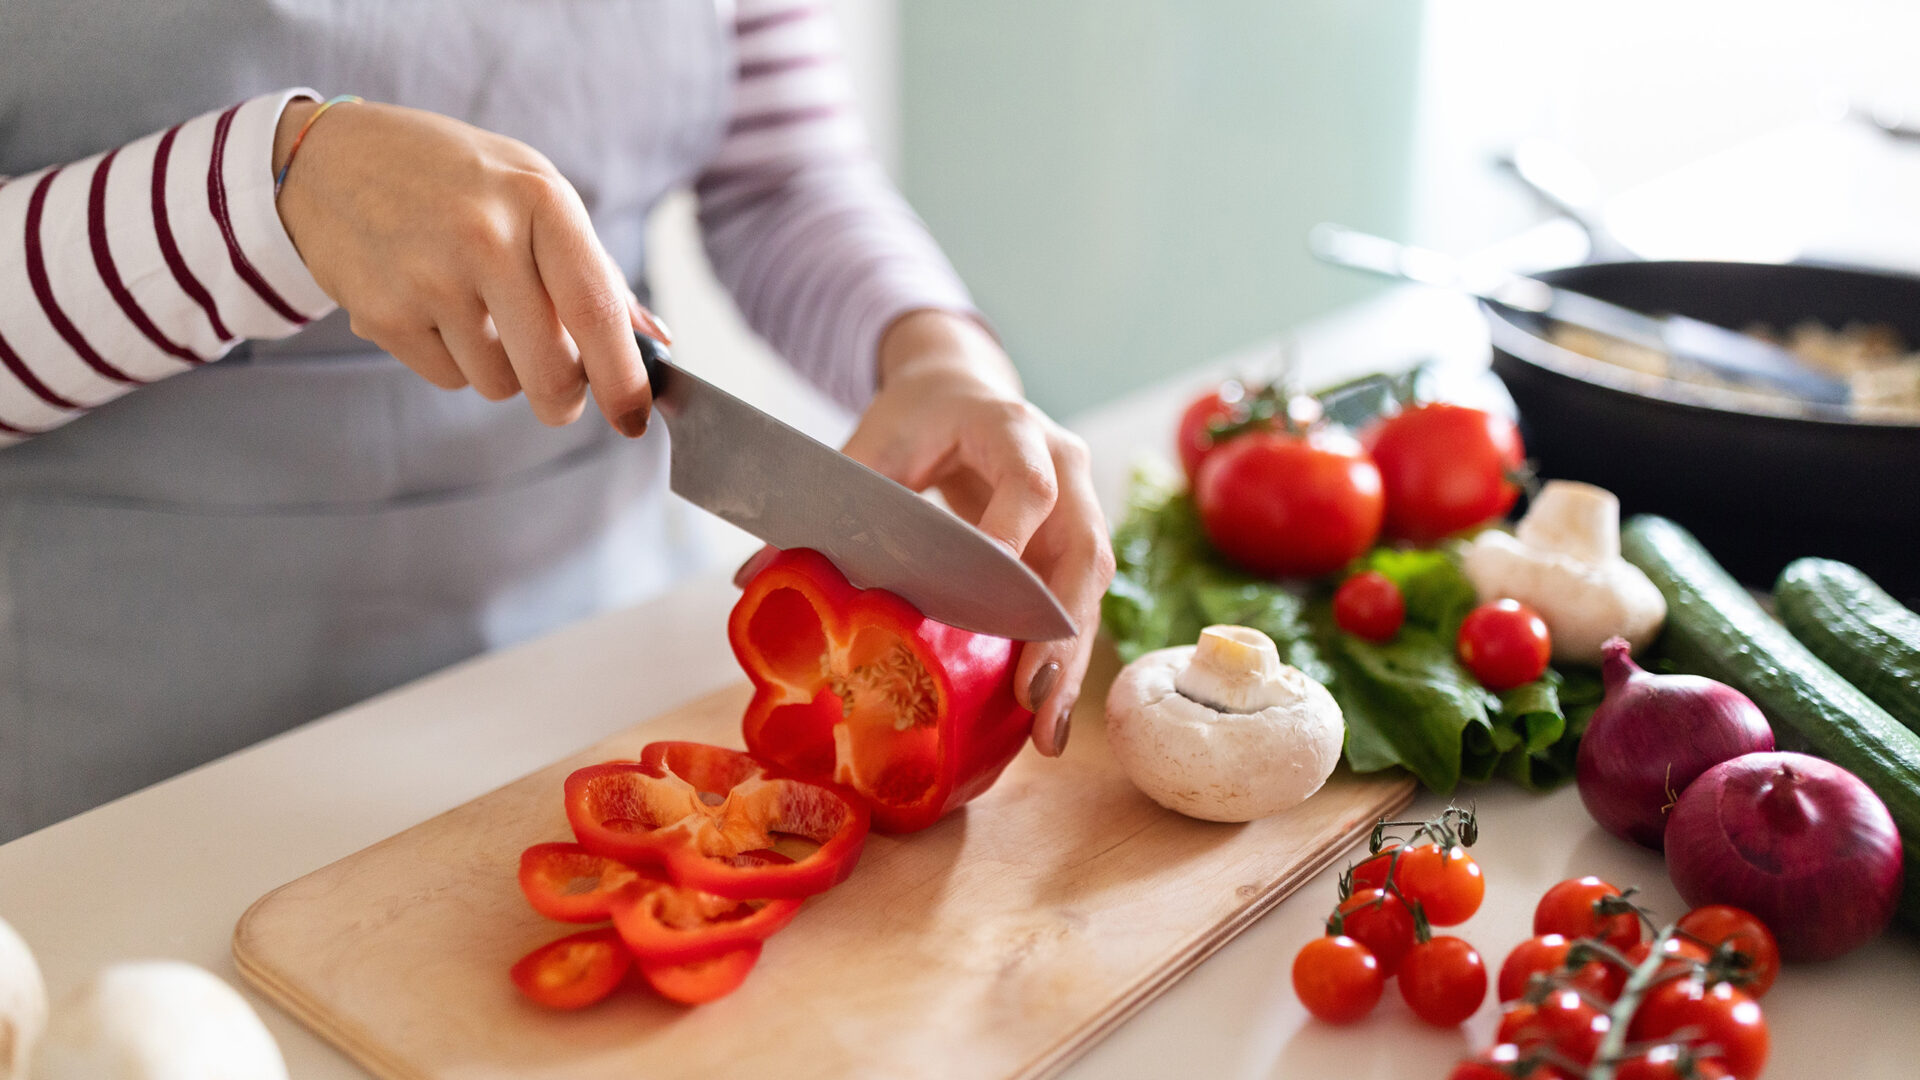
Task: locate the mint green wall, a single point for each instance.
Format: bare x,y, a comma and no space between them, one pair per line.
1127,184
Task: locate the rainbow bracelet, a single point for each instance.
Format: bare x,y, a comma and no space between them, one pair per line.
301,135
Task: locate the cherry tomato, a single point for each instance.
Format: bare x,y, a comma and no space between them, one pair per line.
1445,883
1503,1063
1669,1061
575,971
1721,924
1443,980
1683,955
1377,919
703,980
1564,1021
1195,437
1369,605
1721,1016
1547,955
1446,468
1282,504
1570,909
1504,644
1337,979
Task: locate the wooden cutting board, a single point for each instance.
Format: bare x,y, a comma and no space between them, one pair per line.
1002,942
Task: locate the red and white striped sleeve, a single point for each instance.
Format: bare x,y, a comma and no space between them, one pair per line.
143,262
801,223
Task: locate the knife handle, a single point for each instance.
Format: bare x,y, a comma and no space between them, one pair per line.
653,354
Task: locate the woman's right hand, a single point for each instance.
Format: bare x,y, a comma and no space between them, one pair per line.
467,256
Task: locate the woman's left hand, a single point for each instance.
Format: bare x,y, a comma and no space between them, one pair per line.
949,414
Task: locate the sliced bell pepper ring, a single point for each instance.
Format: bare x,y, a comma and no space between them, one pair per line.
666,924
856,687
575,971
569,883
703,981
688,809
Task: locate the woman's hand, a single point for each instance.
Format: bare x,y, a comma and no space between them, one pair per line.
949,414
467,256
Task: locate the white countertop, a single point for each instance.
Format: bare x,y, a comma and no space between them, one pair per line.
167,871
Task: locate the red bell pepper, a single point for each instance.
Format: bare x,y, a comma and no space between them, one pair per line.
575,971
856,687
667,924
704,981
569,883
689,809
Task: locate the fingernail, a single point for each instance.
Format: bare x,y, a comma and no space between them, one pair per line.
655,328
751,568
634,424
1062,728
1043,683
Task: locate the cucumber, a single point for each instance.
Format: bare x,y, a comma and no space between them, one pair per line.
1870,638
1714,628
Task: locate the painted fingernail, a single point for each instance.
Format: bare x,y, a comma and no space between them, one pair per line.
653,326
1062,728
1043,683
634,424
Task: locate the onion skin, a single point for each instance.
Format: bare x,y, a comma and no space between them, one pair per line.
1801,843
1649,739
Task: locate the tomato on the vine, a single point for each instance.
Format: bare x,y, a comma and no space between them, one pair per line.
1377,919
1443,980
1571,909
1445,882
1369,605
1337,979
1218,406
1681,953
1564,1020
1446,468
1669,1061
1280,504
1721,1017
1503,1063
1504,644
1721,924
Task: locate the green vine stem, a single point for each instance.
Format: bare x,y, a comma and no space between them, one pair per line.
1620,1017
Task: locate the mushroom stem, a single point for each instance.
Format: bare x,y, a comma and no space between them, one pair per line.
1235,669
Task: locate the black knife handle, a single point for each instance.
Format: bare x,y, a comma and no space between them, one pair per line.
652,353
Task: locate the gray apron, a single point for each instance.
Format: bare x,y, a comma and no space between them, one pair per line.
227,553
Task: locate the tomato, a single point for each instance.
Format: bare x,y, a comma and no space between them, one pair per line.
1377,919
1503,1063
1443,980
1445,883
575,971
1541,955
1195,438
1446,468
1721,1016
1369,605
1669,1061
1570,909
703,980
1504,644
1337,979
1284,504
1721,924
1683,955
1564,1021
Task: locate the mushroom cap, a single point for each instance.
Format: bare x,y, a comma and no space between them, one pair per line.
1221,766
23,1004
1584,603
158,1020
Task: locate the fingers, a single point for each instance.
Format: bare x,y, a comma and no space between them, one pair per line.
475,344
1073,554
1013,456
428,356
592,304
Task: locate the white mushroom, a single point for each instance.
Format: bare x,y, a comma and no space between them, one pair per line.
158,1020
1222,730
1563,561
23,1004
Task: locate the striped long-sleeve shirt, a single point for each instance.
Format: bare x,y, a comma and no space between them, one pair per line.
153,258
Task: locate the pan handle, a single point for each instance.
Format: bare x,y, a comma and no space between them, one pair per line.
1566,184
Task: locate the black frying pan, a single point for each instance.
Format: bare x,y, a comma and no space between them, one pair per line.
1760,483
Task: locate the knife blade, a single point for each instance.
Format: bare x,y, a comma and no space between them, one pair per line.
791,490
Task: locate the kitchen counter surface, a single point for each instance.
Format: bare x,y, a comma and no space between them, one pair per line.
167,871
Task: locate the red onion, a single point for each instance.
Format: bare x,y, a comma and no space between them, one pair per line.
1800,842
1651,736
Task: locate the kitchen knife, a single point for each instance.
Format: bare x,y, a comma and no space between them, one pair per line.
1716,349
793,491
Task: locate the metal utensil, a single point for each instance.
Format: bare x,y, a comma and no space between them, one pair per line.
1715,349
792,491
